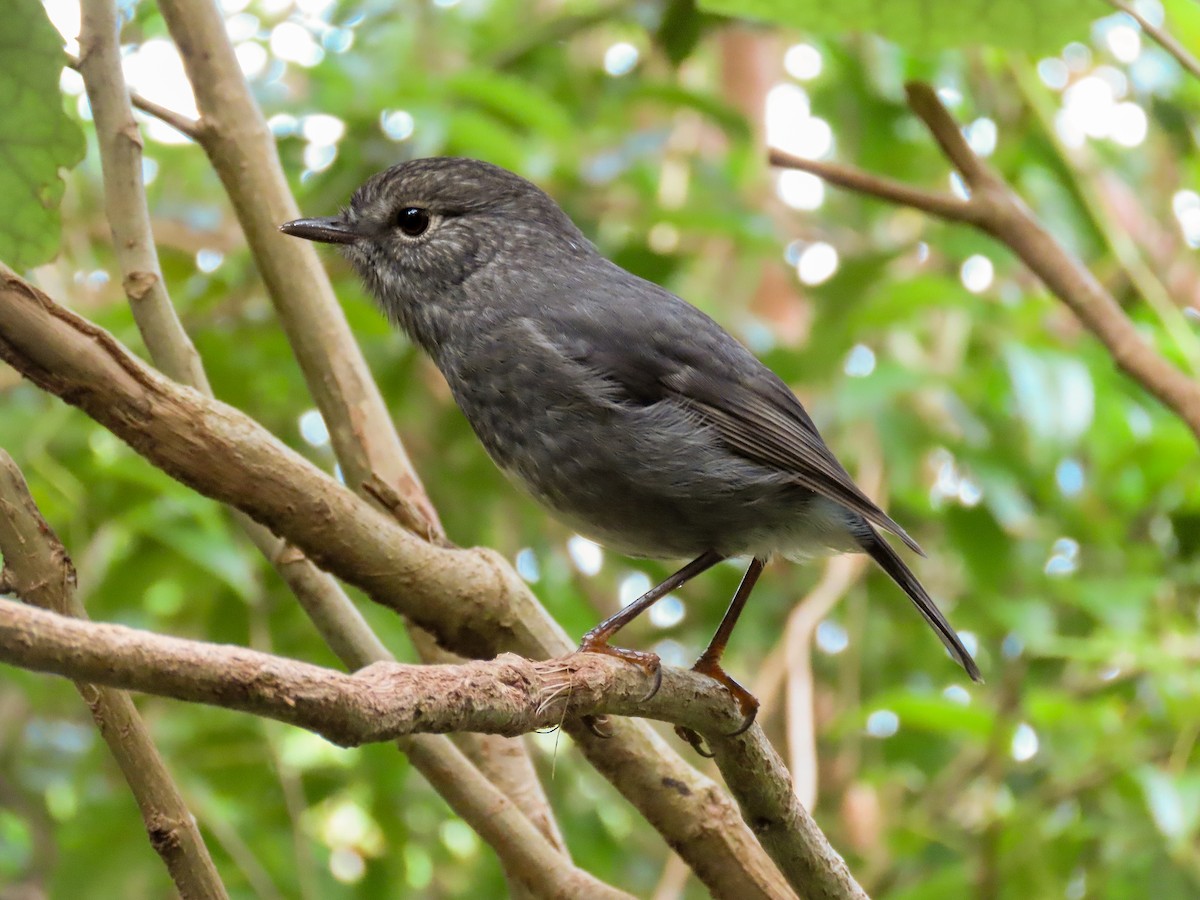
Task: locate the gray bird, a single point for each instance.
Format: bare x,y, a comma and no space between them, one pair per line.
628,412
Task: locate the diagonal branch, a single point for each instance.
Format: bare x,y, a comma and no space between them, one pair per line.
996,210
945,206
37,569
332,612
470,599
1164,38
235,136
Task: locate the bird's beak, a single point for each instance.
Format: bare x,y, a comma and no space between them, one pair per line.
330,230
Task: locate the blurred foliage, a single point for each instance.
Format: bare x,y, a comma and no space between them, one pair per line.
1029,25
1058,502
36,137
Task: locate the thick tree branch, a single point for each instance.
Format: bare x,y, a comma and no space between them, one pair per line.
996,210
234,135
335,616
37,569
470,599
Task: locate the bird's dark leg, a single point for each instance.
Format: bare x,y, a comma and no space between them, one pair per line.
596,640
709,662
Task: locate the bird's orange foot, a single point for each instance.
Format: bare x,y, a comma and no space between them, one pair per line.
746,701
647,662
747,706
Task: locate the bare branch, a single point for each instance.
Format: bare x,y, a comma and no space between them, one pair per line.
506,695
1004,216
335,616
125,198
183,124
385,701
944,206
471,599
925,103
1162,36
39,571
996,210
242,151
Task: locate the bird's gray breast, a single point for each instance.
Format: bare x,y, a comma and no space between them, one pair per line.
646,479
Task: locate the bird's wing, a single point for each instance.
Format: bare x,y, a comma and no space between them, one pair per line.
761,419
663,348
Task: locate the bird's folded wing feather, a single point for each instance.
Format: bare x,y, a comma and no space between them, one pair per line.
689,359
764,422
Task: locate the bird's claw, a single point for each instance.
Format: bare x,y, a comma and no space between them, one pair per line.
747,703
647,662
693,738
600,726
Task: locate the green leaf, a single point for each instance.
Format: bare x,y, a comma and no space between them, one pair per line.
36,136
1036,26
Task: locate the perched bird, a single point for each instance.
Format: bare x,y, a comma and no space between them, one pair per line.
628,412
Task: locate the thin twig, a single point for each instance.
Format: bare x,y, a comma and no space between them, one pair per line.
1163,37
945,206
185,125
39,571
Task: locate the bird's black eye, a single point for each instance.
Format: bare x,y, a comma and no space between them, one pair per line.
413,220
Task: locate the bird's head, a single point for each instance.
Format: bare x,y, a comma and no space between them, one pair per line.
421,232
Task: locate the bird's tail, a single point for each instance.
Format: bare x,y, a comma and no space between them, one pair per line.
889,560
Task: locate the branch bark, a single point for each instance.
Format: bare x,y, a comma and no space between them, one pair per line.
382,702
235,136
38,569
1164,38
470,599
507,695
995,209
334,615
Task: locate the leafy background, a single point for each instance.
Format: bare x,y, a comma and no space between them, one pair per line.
1058,502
